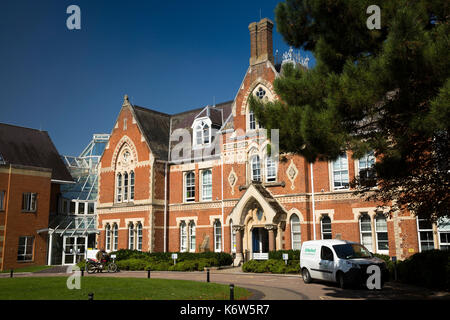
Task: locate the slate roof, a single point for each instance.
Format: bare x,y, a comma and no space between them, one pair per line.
31,147
157,127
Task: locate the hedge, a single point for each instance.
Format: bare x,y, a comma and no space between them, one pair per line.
271,266
430,269
278,254
223,259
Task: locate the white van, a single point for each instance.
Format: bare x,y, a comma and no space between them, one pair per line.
340,261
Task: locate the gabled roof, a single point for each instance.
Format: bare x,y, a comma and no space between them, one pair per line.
31,147
157,126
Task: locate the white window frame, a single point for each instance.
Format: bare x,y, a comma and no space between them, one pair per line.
217,236
185,189
108,237
29,202
139,236
183,237
377,232
361,232
199,126
115,237
255,167
341,170
210,184
322,233
25,252
125,186
192,231
368,157
131,236
419,230
271,178
295,245
119,189
131,185
232,237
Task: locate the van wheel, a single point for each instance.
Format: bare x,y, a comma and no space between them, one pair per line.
341,280
306,276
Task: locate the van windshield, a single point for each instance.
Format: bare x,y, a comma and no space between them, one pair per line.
351,251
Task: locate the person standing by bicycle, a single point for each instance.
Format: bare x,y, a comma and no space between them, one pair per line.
102,257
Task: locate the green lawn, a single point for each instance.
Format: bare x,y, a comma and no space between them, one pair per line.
28,269
54,288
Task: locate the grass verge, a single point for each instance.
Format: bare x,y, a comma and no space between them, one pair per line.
55,288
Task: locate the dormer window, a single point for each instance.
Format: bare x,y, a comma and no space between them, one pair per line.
202,132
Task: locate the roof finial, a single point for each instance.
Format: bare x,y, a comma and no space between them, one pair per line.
126,101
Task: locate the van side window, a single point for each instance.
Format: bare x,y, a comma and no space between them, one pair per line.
326,254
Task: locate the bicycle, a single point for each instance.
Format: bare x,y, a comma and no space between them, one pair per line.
93,265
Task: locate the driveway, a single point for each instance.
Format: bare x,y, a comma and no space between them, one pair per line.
277,287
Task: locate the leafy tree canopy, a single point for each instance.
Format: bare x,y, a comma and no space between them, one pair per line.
385,90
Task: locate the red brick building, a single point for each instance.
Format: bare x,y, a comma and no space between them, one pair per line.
218,190
31,172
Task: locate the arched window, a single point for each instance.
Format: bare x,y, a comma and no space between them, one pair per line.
132,185
340,172
139,236
192,236
202,133
206,185
115,236
296,236
125,186
119,188
131,236
256,168
108,237
232,237
271,170
326,227
382,233
365,228
190,186
217,236
183,237
206,133
198,134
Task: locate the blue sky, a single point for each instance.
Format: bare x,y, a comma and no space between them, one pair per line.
169,56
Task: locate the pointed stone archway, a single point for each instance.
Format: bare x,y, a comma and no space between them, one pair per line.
259,222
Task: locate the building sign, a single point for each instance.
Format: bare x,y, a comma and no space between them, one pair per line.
260,256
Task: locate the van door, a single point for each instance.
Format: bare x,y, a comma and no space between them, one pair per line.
326,264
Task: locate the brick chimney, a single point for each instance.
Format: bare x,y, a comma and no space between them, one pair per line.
261,45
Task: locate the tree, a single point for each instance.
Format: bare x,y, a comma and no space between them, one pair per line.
385,90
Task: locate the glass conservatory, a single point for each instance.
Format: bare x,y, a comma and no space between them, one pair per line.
73,228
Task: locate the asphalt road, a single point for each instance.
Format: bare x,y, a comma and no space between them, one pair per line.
279,287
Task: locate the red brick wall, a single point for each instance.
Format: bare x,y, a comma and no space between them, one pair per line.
18,223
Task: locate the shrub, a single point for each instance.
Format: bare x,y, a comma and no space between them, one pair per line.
278,254
272,266
158,266
220,258
429,269
132,264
